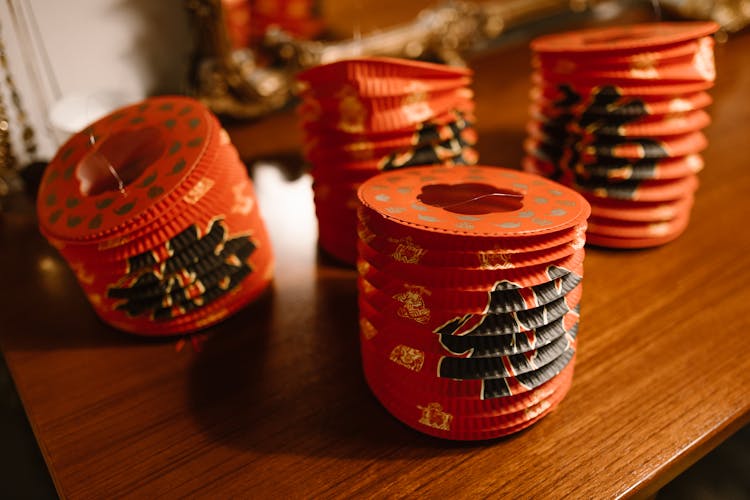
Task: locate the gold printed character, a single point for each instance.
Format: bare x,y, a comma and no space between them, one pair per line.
408,357
644,67
413,304
434,416
407,251
363,267
81,273
200,189
367,328
243,204
415,105
703,61
494,260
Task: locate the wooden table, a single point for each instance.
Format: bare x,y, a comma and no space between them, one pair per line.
275,403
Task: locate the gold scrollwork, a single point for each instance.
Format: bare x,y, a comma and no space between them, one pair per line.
408,357
407,251
413,305
495,260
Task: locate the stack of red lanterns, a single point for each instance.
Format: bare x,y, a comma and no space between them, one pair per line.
618,114
155,213
364,116
469,291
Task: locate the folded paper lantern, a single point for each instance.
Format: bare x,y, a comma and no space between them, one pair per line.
153,210
618,114
469,293
364,116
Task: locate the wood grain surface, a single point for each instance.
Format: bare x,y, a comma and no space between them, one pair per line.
276,403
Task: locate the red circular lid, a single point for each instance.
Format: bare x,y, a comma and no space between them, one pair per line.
637,36
116,169
474,201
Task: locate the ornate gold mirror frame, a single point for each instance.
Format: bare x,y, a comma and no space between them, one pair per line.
231,82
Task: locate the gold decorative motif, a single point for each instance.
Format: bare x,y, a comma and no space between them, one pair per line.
564,66
367,287
415,105
494,260
678,104
694,163
408,357
351,111
659,228
536,411
703,61
625,172
414,306
199,191
363,267
365,234
367,329
95,299
434,416
82,274
407,251
651,73
644,67
243,204
664,212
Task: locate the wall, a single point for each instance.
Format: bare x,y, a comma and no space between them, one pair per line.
56,48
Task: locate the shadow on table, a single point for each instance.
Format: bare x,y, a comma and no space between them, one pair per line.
46,308
290,380
292,383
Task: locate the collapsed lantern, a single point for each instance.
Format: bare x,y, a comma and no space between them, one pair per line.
155,213
364,116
